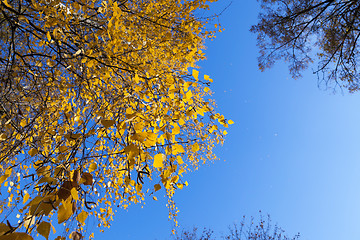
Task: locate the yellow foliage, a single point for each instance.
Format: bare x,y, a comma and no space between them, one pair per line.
82,217
102,101
44,229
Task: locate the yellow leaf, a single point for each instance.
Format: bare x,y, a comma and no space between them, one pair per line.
16,236
157,187
4,177
174,179
82,217
195,147
158,160
230,122
6,3
77,53
26,198
48,36
23,123
3,228
181,121
72,136
177,148
206,77
138,187
188,95
65,211
44,229
3,137
206,89
155,198
107,123
179,160
74,194
49,180
176,129
150,139
50,63
32,152
63,149
92,167
195,74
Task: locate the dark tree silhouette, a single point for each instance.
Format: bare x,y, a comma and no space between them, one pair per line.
245,230
303,31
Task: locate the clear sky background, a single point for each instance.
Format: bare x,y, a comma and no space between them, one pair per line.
293,151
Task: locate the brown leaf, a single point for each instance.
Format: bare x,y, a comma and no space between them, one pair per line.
76,176
88,178
73,206
65,190
75,236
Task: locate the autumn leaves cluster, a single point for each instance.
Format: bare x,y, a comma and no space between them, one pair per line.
102,107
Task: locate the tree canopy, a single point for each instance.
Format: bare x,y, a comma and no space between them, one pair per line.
101,106
302,31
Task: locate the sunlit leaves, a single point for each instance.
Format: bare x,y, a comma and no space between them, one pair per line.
102,112
92,167
65,210
4,228
26,198
159,160
177,148
44,229
3,137
195,147
82,217
33,152
195,74
74,194
16,236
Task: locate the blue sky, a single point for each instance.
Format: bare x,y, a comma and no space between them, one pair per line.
293,151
